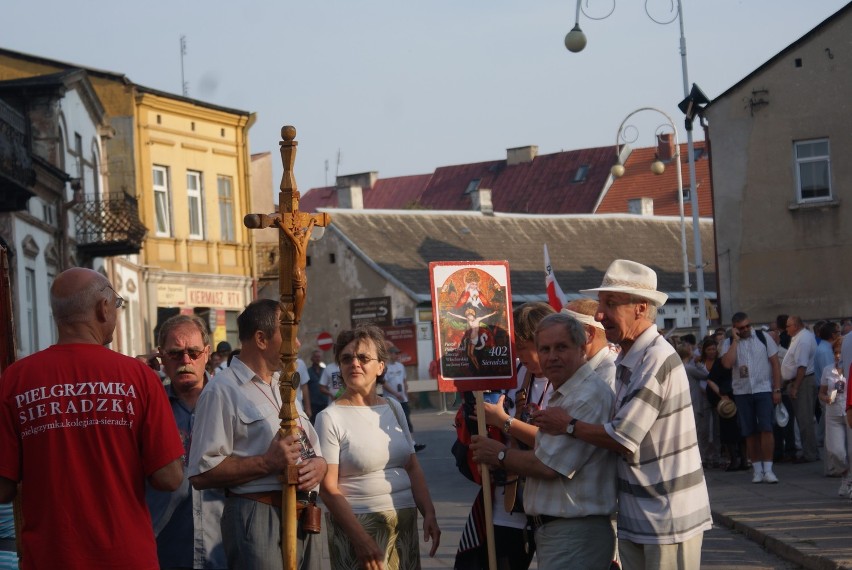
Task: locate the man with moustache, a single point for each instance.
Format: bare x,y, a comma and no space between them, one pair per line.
83,428
187,521
663,506
237,445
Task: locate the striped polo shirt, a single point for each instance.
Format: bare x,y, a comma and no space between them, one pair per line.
662,495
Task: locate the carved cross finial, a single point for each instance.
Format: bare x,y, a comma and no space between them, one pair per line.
294,232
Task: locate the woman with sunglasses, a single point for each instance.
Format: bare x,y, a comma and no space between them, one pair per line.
374,485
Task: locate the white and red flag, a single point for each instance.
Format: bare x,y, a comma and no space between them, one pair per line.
555,296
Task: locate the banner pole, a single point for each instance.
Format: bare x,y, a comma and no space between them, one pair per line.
486,485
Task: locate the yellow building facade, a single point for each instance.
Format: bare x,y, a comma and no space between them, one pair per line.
194,170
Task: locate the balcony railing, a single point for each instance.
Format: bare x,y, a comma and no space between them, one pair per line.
109,225
16,166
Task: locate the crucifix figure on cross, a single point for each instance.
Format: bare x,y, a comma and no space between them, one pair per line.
299,236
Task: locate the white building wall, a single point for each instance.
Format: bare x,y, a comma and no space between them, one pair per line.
36,330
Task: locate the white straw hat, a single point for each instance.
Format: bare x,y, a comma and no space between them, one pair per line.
726,408
625,276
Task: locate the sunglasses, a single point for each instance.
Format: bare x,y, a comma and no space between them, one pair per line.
346,359
177,355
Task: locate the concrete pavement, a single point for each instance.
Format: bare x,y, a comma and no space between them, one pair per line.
801,519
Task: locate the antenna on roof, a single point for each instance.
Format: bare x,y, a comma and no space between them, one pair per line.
337,166
326,173
183,83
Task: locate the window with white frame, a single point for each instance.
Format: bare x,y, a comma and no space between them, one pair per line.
193,196
162,201
226,208
30,310
813,170
54,333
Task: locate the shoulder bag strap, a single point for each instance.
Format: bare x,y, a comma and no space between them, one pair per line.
510,491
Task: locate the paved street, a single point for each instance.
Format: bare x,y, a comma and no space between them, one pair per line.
801,521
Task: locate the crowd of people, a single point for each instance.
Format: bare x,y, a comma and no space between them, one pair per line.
772,393
174,459
609,460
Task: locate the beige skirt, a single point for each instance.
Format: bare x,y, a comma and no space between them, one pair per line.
393,531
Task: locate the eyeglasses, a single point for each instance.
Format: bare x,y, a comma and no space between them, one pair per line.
177,355
744,327
346,359
119,300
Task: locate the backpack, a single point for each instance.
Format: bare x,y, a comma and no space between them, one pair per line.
465,428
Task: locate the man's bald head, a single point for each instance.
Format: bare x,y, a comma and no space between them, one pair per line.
75,293
585,311
583,306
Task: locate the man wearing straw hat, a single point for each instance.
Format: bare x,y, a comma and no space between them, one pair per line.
663,504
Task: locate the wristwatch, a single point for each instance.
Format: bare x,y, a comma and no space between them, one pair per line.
508,424
501,456
570,429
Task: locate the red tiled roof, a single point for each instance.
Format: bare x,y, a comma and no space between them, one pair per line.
544,185
639,182
397,193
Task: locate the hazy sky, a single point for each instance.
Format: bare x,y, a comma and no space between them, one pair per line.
403,86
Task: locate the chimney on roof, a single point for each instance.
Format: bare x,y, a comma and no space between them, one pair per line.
665,147
362,179
350,197
641,206
480,201
521,154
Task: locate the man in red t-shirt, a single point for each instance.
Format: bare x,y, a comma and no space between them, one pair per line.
82,428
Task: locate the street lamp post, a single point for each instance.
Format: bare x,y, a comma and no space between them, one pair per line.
575,41
658,168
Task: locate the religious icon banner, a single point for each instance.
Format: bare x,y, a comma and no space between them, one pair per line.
473,325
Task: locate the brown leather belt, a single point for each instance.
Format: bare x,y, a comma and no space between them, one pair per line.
272,498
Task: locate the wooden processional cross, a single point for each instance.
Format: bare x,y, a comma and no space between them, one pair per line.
294,232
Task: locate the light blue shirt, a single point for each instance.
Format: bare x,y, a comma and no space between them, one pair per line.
823,358
187,522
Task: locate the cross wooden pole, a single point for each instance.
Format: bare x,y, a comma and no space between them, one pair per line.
295,229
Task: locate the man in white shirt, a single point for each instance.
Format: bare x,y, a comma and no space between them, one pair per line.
752,358
395,385
331,383
797,370
571,485
237,445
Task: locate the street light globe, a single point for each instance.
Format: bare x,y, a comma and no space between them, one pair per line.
657,167
617,170
575,40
